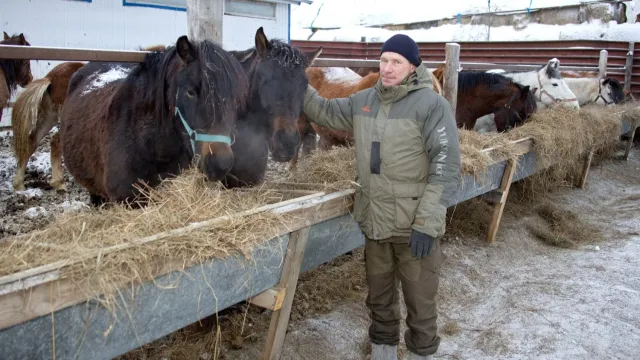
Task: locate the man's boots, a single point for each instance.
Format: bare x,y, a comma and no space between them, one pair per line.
384,352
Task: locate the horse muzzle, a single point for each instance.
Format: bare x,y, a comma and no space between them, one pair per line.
216,160
284,144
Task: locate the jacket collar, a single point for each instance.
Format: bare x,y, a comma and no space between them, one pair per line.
418,79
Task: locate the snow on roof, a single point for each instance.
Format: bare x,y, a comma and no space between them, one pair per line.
329,14
595,30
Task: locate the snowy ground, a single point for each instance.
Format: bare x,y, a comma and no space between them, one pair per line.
519,298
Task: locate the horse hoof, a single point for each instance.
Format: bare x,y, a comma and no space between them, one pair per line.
59,187
18,186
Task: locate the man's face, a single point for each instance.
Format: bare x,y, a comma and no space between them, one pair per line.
394,68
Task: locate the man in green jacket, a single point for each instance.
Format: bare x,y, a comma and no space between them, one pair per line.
408,168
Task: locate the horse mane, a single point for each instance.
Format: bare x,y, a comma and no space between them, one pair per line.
10,66
287,55
228,78
551,73
470,80
617,90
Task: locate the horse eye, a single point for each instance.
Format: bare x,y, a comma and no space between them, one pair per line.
191,93
554,84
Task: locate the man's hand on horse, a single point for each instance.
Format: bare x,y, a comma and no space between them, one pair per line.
421,244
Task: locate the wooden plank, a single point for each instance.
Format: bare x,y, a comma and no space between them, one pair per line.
628,68
288,280
585,169
25,302
450,81
204,19
69,54
271,299
602,64
627,150
498,208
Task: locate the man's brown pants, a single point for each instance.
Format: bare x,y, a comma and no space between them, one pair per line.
384,259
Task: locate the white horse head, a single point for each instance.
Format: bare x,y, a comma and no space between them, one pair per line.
552,89
600,91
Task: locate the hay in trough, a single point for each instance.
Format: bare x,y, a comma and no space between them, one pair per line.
335,168
79,241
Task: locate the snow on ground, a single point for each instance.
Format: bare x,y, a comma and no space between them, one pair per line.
340,13
595,30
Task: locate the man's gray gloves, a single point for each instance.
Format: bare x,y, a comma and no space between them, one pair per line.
421,244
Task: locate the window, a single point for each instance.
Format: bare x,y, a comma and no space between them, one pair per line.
250,8
180,5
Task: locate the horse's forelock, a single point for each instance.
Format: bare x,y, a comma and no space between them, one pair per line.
287,55
617,90
223,80
552,73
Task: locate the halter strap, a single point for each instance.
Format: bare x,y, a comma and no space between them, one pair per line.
195,136
507,106
600,95
553,98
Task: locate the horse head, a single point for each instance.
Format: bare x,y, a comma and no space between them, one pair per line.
17,71
210,88
552,89
517,110
278,84
610,91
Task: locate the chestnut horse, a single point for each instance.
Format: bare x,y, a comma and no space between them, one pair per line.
35,113
13,72
126,123
276,71
509,103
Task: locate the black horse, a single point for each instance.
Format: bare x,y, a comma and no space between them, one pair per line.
278,81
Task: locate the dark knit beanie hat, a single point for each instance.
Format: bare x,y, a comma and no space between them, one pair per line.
403,45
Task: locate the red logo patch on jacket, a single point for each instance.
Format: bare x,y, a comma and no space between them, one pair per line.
366,108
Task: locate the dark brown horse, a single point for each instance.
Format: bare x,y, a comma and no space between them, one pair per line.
481,93
127,123
34,114
269,125
13,72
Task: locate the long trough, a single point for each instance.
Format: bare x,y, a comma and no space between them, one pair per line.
33,322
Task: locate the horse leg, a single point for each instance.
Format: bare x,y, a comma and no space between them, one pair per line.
97,200
57,180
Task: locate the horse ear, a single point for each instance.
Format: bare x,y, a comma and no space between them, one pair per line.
23,41
6,36
262,43
244,55
312,56
606,81
533,91
185,49
524,92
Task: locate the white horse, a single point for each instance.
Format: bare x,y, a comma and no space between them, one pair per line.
600,91
552,89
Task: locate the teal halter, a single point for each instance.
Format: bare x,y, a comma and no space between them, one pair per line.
194,136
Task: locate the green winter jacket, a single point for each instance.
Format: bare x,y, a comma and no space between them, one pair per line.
419,167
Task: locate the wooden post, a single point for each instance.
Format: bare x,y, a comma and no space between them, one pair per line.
204,18
632,135
499,198
628,69
450,82
288,281
585,169
602,64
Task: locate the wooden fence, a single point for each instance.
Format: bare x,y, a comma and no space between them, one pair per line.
623,62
